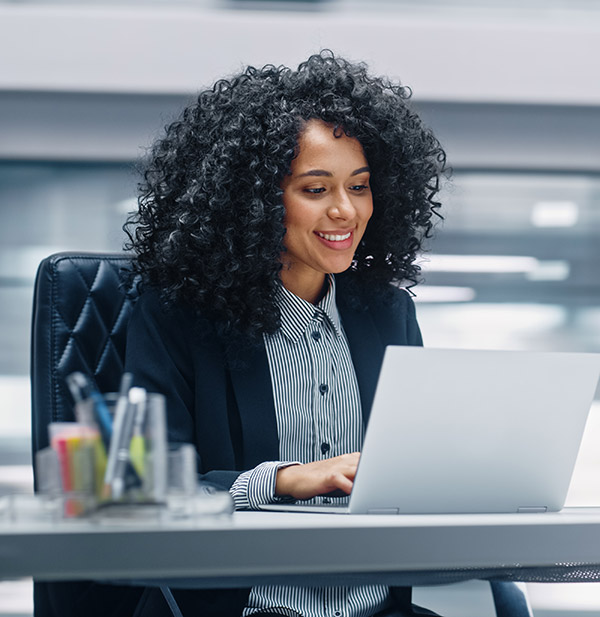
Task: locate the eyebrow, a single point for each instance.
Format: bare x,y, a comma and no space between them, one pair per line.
322,172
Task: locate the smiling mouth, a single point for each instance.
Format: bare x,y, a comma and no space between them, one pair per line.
334,237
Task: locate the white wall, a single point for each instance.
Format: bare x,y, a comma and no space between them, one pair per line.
445,57
501,91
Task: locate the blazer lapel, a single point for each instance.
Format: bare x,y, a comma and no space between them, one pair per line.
251,381
366,349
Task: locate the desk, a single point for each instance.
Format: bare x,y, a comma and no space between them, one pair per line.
264,547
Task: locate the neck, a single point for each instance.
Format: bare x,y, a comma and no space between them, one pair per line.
310,290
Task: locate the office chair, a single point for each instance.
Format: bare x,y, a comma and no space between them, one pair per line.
81,308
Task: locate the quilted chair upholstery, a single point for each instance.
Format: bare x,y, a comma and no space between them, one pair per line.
81,307
80,313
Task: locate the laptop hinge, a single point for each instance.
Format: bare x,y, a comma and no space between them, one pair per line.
532,509
383,511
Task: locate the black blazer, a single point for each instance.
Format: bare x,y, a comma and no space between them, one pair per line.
221,400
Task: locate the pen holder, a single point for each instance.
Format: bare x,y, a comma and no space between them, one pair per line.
28,508
137,458
72,468
85,470
181,479
115,458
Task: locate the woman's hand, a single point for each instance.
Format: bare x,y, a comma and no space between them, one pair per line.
307,481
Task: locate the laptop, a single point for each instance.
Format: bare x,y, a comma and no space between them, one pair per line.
470,431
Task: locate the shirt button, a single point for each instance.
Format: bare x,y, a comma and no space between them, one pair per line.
323,388
316,335
325,447
337,613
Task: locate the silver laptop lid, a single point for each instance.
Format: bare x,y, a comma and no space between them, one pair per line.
474,431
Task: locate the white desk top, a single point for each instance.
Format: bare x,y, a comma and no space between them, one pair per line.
252,546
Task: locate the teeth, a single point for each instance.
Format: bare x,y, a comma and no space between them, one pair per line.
334,238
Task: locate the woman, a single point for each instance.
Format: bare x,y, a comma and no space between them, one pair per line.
277,218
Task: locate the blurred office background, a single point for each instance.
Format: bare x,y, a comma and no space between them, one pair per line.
511,89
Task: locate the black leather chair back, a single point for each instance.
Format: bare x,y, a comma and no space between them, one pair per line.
81,308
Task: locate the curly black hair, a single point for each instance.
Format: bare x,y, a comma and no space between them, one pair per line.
210,226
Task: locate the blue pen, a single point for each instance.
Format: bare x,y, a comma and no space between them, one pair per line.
82,389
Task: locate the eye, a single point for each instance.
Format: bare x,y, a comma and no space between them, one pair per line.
314,191
359,187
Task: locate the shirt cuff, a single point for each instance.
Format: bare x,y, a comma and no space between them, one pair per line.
257,486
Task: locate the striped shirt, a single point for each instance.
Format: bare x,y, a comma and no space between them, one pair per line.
319,416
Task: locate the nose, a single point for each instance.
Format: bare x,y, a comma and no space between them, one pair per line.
341,206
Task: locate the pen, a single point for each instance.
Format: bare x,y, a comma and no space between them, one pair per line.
77,384
82,390
137,446
125,475
118,424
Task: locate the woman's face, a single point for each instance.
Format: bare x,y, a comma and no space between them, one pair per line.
328,204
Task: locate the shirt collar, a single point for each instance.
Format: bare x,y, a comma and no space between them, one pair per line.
297,313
